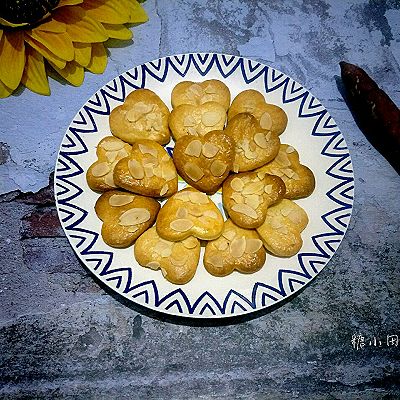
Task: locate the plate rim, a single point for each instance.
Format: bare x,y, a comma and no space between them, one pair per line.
222,315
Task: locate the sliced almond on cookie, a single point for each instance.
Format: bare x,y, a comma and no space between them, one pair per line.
118,200
181,225
245,209
266,121
194,148
134,216
210,118
100,169
136,169
193,171
210,150
218,168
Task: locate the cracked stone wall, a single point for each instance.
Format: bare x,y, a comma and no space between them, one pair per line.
63,335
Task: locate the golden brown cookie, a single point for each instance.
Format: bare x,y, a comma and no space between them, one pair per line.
148,170
197,93
281,230
188,119
177,260
109,151
253,146
142,116
125,216
236,249
269,116
247,196
299,179
204,162
189,213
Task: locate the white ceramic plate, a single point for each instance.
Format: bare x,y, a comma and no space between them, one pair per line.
311,130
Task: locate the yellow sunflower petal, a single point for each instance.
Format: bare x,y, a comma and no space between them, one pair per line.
34,77
12,58
58,43
120,32
64,3
98,62
52,26
110,11
80,27
73,73
137,14
83,53
4,90
45,52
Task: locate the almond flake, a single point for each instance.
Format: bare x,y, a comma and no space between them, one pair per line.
183,196
288,172
118,200
222,245
237,185
193,171
295,216
178,262
235,167
245,209
150,160
132,116
166,252
210,118
210,89
237,197
194,148
277,172
181,225
290,149
144,149
181,212
100,169
260,140
111,156
132,228
210,214
268,136
252,200
268,189
296,177
286,211
109,180
134,216
237,247
266,121
229,234
136,169
282,159
192,131
112,145
253,245
218,168
164,272
276,223
168,171
142,108
216,260
196,211
210,150
253,187
122,153
260,174
198,198
155,265
189,121
148,171
164,189
196,89
190,242
250,155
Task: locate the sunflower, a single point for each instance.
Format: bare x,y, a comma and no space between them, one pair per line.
64,35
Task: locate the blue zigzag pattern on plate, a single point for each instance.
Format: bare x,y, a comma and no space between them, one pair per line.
121,279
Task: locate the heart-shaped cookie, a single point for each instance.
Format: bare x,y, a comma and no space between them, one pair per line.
281,230
125,216
188,119
148,170
254,146
247,196
299,179
177,260
197,93
204,162
142,116
269,116
189,213
236,249
109,151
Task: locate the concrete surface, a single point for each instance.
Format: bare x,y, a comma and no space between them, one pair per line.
62,335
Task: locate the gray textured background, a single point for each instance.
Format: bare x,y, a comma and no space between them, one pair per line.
63,336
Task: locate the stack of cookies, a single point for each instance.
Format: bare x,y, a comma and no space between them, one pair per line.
219,146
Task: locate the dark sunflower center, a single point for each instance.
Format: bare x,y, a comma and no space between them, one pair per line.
25,11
